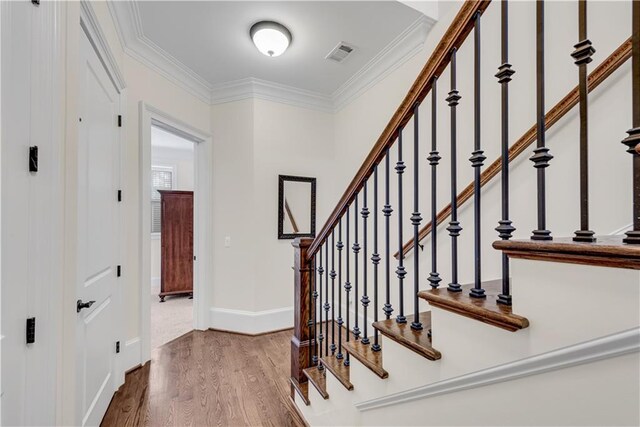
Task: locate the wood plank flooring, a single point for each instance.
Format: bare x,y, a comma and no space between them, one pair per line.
210,378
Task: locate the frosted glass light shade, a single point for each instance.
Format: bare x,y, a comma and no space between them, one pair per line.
271,38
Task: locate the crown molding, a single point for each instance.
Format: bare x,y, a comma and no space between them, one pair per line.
91,27
400,50
270,91
126,17
618,344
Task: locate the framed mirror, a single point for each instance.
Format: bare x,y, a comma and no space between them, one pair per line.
296,207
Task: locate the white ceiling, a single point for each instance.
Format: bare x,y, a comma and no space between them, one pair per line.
160,138
211,38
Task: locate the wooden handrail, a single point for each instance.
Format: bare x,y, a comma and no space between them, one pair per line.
597,76
437,63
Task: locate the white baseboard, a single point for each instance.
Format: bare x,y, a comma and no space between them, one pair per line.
251,322
155,281
130,354
614,345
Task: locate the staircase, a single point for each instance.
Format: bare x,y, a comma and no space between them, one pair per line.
400,323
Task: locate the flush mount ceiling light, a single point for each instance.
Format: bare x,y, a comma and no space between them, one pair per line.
271,38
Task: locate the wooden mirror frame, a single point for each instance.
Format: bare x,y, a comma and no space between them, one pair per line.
281,180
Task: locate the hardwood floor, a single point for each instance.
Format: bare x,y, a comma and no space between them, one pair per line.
210,378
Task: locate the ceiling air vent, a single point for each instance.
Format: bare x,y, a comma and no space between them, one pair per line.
340,52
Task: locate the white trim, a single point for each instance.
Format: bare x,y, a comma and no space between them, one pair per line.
155,281
130,354
400,50
90,25
203,152
126,17
606,347
251,322
620,231
270,91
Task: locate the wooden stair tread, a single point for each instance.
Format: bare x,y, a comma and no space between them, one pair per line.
486,310
607,251
302,389
365,355
402,333
317,379
337,368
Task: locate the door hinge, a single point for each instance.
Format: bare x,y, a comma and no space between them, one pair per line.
119,271
31,330
117,346
119,195
33,159
119,121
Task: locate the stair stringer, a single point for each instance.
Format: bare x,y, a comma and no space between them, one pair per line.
566,304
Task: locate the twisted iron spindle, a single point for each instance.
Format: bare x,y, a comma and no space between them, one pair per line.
434,159
356,250
365,297
541,156
633,140
505,229
388,309
327,306
333,283
454,226
339,246
375,258
347,285
415,220
582,56
400,271
477,160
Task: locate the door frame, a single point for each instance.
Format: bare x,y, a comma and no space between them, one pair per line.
202,214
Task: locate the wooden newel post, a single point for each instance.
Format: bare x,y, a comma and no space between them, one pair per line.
301,343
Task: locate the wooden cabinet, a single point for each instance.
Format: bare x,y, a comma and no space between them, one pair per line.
177,243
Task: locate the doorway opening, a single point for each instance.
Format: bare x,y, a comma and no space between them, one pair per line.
172,252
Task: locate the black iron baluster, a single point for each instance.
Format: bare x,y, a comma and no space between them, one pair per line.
477,160
365,297
633,140
375,258
356,250
314,298
388,309
333,300
582,56
505,229
320,335
415,220
454,226
434,159
327,306
400,271
541,156
347,286
339,246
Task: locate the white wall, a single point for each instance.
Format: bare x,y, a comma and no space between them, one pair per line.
264,139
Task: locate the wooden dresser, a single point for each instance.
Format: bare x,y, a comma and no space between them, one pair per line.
177,243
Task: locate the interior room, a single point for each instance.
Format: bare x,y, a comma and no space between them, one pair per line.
172,170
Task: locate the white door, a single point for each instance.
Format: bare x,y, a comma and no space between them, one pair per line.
98,241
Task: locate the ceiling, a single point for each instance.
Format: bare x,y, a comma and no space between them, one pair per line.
160,138
211,38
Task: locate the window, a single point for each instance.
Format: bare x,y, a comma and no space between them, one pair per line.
162,178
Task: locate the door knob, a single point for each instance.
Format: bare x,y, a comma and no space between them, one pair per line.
80,305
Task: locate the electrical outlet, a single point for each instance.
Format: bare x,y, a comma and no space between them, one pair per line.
227,242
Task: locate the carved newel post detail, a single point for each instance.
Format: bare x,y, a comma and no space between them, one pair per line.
301,341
